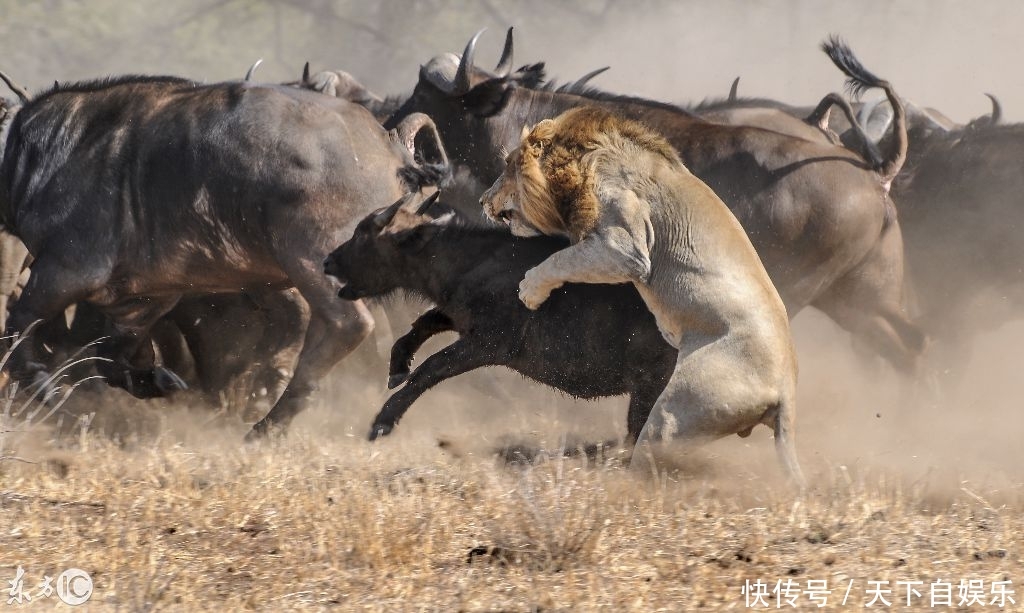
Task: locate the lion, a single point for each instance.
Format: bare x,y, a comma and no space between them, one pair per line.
634,214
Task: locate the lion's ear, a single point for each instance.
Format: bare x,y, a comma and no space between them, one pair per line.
541,135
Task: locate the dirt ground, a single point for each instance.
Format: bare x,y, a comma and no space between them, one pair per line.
166,509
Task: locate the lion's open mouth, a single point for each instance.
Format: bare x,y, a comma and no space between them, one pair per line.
506,216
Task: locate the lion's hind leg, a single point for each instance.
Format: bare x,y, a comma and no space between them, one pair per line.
714,393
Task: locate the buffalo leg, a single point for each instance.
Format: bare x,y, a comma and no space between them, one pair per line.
426,325
868,302
336,328
453,360
128,352
641,401
52,288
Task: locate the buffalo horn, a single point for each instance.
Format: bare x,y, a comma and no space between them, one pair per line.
425,206
997,110
462,81
409,127
865,112
252,69
580,82
504,67
17,89
385,216
305,73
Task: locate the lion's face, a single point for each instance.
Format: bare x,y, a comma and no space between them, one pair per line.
502,202
521,197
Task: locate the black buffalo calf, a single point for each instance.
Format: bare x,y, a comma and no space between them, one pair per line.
589,341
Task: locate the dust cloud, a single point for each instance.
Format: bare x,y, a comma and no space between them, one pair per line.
852,412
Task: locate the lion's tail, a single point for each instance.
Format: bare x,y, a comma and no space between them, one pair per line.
785,446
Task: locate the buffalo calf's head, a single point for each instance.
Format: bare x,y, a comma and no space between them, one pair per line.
372,263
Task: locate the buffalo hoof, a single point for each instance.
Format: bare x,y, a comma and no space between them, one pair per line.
168,382
260,431
397,379
379,430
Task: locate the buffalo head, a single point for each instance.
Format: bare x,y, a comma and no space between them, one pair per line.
339,84
369,262
449,85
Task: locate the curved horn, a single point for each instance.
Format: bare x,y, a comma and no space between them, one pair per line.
919,114
580,82
325,83
385,216
732,89
864,114
252,70
305,73
411,126
997,111
425,206
462,81
878,122
504,67
17,89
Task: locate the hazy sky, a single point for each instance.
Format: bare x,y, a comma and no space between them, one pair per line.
939,53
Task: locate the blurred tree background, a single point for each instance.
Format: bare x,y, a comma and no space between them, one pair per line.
943,53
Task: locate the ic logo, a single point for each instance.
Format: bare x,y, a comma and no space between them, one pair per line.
74,586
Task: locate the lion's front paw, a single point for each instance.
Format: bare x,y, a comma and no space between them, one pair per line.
532,293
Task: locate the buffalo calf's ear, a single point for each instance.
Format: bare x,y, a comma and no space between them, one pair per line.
414,239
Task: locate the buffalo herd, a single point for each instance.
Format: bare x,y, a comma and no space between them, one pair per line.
180,231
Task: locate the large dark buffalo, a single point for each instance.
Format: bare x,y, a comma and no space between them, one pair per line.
963,220
132,192
818,215
586,340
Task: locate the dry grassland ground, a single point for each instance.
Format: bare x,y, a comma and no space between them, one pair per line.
168,510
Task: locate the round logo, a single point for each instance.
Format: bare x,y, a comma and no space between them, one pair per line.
74,586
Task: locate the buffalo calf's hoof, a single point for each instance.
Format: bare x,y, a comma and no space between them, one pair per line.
379,430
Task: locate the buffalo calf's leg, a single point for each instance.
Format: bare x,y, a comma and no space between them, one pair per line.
426,325
453,360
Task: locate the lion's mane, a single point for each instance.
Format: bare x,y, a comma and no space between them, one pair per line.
556,184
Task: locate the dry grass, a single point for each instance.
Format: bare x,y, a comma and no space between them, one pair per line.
167,510
309,523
